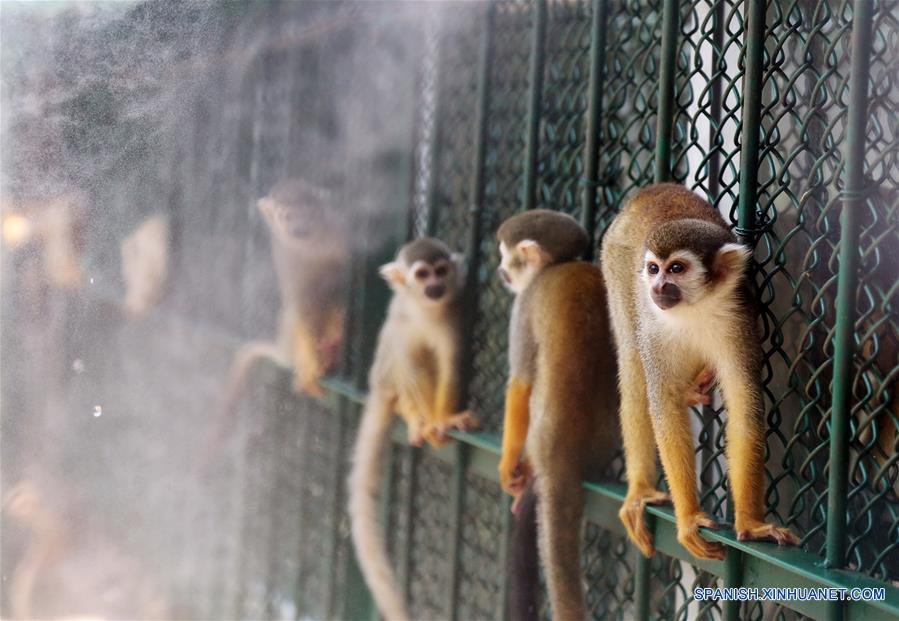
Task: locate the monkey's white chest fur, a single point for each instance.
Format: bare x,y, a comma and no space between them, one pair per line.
699,332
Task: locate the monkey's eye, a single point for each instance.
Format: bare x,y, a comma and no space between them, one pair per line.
676,268
421,273
652,268
440,271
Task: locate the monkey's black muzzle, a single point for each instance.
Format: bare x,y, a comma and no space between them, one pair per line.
435,292
666,296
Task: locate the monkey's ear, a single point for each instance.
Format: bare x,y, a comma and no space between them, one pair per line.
532,253
730,258
394,273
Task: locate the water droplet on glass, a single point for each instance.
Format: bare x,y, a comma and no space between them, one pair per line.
98,411
78,365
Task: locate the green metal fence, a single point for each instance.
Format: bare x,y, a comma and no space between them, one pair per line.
784,115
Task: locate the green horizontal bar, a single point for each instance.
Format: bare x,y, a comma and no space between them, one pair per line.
766,564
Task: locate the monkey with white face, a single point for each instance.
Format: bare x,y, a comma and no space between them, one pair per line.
682,310
415,374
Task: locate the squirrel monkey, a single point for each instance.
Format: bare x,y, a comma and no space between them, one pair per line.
561,409
310,250
415,374
681,305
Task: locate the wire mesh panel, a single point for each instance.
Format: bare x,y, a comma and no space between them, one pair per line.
542,103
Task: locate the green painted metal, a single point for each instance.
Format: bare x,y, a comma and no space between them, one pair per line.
594,111
844,348
751,121
457,501
764,565
538,44
665,113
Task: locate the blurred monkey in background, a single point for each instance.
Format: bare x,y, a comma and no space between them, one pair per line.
310,250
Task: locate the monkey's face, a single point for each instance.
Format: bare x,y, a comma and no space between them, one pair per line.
684,277
430,283
303,225
674,279
519,264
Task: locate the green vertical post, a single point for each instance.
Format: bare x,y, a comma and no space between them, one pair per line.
404,572
502,602
535,97
642,571
748,198
594,112
665,113
434,164
853,201
476,193
457,502
751,121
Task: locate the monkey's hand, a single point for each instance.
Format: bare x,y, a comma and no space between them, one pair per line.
757,530
307,382
689,537
698,392
515,476
631,515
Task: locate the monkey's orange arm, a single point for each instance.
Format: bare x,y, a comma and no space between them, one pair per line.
515,430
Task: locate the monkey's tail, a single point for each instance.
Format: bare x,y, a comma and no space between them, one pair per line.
523,567
371,548
560,508
247,356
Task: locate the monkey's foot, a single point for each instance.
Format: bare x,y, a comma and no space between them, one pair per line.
415,435
756,530
689,537
435,436
463,421
631,515
515,477
698,391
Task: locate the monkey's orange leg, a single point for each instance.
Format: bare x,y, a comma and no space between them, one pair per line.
307,364
746,461
639,453
671,423
514,471
332,339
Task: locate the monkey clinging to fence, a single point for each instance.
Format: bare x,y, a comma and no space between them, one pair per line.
561,412
680,304
415,374
310,250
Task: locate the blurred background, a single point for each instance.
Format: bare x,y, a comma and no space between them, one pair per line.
137,138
